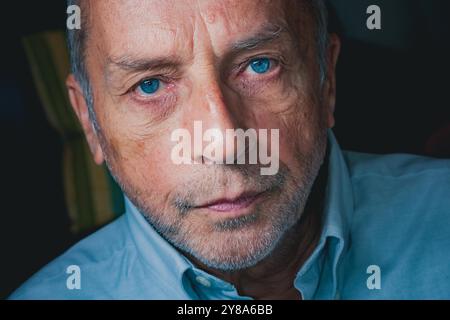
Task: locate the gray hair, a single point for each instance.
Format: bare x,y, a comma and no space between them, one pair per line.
77,39
320,13
76,43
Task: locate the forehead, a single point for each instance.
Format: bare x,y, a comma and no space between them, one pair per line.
170,26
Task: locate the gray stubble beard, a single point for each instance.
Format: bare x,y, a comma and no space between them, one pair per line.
290,212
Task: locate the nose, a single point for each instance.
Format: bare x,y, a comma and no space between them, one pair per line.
210,114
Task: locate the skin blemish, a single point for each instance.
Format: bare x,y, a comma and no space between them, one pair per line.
210,17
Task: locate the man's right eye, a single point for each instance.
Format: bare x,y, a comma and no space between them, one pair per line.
148,87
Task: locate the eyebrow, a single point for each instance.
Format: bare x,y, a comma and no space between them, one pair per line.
129,64
268,33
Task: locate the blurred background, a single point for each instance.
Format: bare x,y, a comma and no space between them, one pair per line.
393,88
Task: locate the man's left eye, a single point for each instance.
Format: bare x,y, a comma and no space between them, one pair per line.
149,87
260,65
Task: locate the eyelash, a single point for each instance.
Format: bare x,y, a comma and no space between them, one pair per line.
246,64
165,84
276,64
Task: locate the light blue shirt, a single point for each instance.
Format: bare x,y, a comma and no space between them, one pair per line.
386,235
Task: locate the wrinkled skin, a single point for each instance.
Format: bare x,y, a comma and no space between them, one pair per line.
193,47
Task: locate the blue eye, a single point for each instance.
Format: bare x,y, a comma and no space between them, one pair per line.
260,65
150,86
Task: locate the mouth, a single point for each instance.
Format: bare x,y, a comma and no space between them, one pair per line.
234,205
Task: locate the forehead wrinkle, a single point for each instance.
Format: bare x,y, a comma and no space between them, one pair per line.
234,19
197,25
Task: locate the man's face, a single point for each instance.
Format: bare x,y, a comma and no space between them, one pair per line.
158,66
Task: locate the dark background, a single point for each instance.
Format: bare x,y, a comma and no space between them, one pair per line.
393,87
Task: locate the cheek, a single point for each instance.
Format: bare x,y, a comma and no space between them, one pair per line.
300,124
284,95
140,159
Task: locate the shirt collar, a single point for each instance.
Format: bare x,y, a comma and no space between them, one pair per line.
318,277
154,250
338,207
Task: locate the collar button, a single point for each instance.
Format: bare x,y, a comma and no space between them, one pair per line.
203,281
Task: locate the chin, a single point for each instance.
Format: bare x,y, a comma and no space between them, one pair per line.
236,249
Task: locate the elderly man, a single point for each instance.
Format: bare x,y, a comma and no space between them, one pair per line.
327,224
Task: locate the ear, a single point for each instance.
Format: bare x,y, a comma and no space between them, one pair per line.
80,107
329,87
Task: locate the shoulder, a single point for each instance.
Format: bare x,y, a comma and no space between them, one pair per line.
400,187
393,165
93,260
402,182
106,265
401,222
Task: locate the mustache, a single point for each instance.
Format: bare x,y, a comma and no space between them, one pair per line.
214,179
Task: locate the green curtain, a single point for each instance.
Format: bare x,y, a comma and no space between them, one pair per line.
91,195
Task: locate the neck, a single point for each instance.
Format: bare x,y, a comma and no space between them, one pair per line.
273,277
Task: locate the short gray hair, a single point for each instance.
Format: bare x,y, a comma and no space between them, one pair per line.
77,40
320,13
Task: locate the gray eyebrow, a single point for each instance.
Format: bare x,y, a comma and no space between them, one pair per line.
269,33
128,63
